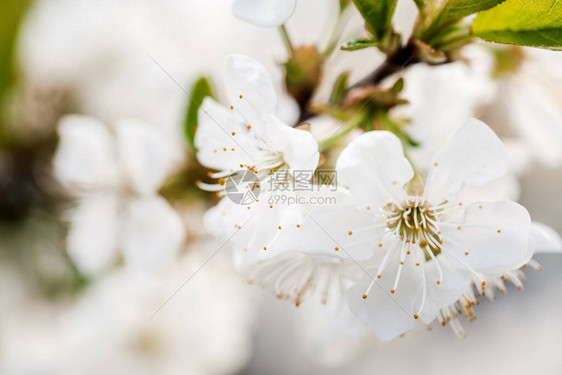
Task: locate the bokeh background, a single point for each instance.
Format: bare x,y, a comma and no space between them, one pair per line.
115,59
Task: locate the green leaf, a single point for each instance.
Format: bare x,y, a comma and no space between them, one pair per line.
201,89
377,15
449,12
354,45
522,22
455,10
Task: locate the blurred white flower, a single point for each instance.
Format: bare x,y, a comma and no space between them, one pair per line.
27,325
440,99
531,98
101,49
204,329
115,173
119,325
450,242
267,13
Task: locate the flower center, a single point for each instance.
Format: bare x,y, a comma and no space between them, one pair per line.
416,222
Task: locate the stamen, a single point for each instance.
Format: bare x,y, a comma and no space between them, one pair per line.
381,268
209,187
424,286
401,265
535,265
434,258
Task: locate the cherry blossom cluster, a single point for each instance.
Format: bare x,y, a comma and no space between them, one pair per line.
396,246
404,225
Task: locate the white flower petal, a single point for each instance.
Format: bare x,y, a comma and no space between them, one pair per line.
296,276
336,228
300,150
153,234
389,314
222,138
92,240
544,239
288,110
251,229
85,157
474,157
374,168
266,13
285,221
145,155
505,187
250,89
495,236
456,279
222,221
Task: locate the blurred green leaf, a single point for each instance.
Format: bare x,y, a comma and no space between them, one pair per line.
398,86
340,89
377,15
11,15
421,4
344,4
354,45
200,90
303,73
507,59
530,23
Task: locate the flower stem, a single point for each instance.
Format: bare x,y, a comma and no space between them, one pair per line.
343,19
359,117
286,39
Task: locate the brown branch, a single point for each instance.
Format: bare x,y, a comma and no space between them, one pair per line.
404,57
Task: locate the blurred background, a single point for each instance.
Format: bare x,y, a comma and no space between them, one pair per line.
118,59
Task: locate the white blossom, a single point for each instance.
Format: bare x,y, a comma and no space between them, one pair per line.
248,134
531,99
432,243
440,99
123,325
114,174
267,13
281,246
